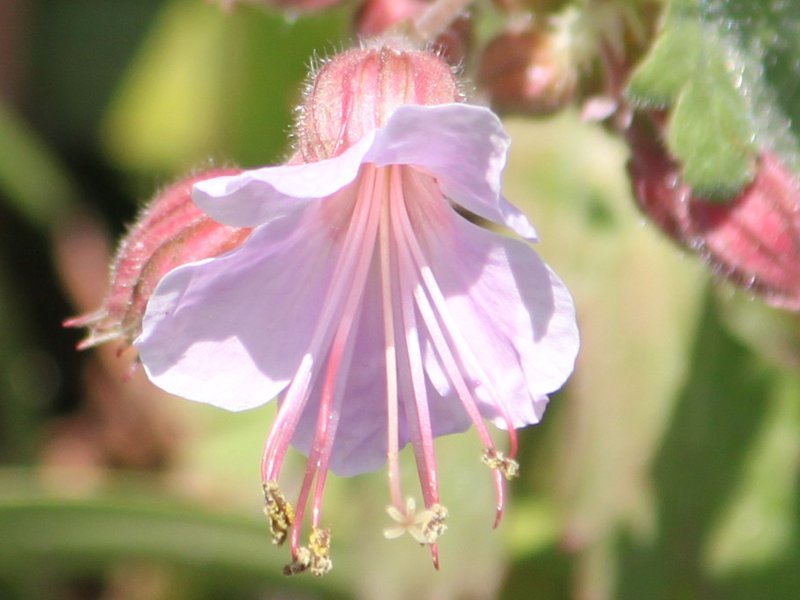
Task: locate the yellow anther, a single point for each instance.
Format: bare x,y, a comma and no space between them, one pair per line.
315,557
434,525
494,459
319,543
279,512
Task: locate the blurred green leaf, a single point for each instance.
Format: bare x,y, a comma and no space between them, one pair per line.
212,84
717,459
19,403
78,52
757,525
637,302
31,178
132,518
728,70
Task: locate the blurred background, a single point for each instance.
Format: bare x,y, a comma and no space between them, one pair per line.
667,468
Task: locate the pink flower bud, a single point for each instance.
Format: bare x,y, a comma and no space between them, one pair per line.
357,91
752,240
530,71
170,232
378,16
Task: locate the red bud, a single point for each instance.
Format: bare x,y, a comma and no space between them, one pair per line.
752,240
171,231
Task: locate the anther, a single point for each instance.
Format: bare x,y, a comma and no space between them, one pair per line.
434,525
279,512
301,562
315,557
494,459
319,543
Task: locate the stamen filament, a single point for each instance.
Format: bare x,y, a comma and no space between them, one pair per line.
389,323
417,412
464,349
328,414
449,361
296,396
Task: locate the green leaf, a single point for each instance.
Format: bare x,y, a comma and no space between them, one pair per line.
211,84
727,69
132,519
31,178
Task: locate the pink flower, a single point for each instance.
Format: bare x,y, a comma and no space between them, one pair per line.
364,301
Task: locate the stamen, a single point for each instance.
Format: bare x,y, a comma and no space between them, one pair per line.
279,512
301,562
389,324
464,349
415,399
434,526
320,546
351,259
328,416
494,459
413,260
315,557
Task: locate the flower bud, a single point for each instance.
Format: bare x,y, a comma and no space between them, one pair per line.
170,232
753,240
379,16
357,91
529,71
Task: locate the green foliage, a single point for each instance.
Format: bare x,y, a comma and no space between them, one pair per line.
728,71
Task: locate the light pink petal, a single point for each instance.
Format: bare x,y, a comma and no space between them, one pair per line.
232,331
464,147
361,438
256,197
516,317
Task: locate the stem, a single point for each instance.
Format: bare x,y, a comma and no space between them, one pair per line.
438,17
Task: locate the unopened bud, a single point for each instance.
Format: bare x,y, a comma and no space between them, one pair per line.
357,91
376,17
170,231
753,240
531,71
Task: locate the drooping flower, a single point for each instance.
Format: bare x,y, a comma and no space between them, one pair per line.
376,312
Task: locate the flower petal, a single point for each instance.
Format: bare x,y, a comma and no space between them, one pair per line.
258,196
361,438
514,313
464,147
232,331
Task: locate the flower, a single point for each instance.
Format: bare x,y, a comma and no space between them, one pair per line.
376,312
